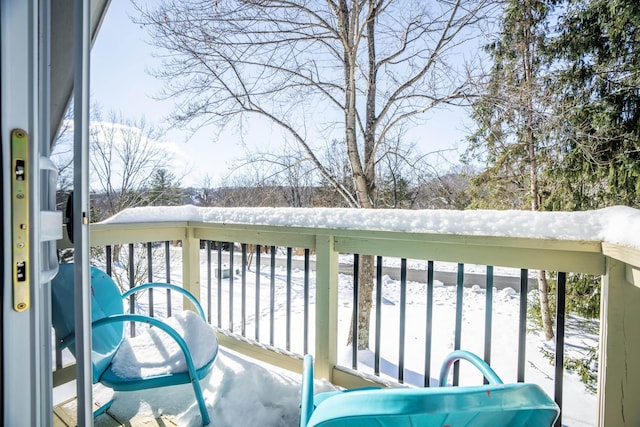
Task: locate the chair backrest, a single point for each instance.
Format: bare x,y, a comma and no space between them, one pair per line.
106,300
493,405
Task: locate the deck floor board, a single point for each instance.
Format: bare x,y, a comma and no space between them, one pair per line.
65,415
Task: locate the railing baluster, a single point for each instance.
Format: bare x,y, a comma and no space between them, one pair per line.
132,298
376,362
167,263
522,325
109,261
150,276
58,352
306,302
272,297
230,286
257,321
488,316
288,308
403,316
560,323
354,318
244,290
219,280
208,245
429,329
458,330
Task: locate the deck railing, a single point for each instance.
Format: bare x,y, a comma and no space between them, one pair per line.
213,264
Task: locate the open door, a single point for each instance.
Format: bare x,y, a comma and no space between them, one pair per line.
30,224
40,65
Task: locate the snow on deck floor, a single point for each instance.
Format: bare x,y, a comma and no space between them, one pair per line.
238,392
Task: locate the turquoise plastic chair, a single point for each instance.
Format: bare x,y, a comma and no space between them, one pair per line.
108,339
495,404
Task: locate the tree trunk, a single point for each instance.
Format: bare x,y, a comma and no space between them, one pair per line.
365,302
543,287
364,181
115,253
528,60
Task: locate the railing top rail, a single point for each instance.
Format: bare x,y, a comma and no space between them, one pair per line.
575,245
119,233
106,231
618,224
517,252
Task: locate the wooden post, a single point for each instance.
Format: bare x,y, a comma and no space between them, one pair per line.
326,307
619,373
191,266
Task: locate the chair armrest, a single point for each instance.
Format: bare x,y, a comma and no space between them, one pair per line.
306,400
169,286
480,364
119,318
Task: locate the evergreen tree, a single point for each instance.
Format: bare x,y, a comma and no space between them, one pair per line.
598,59
512,114
513,119
164,189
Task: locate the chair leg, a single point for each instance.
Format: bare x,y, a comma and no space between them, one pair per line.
101,410
200,399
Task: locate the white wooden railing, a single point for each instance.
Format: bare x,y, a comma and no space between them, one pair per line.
619,266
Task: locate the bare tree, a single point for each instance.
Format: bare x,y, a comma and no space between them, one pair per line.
298,179
449,190
124,155
288,169
350,70
252,188
62,154
403,171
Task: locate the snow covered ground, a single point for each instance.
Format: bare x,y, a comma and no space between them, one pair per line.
243,392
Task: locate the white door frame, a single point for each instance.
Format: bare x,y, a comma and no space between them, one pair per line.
37,75
24,104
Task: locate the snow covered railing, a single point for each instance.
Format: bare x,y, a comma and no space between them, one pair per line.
604,242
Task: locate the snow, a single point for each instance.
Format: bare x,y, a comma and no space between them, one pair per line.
237,392
618,224
154,352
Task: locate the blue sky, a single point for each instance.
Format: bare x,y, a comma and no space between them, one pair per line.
120,82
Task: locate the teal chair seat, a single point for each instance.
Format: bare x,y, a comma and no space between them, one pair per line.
178,350
495,404
154,359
